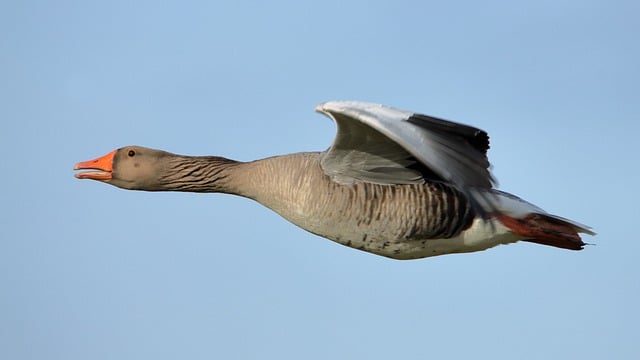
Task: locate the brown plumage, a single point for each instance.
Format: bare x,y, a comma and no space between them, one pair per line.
369,191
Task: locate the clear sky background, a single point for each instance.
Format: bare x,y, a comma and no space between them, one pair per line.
89,271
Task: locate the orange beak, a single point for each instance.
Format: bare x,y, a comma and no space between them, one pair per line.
103,165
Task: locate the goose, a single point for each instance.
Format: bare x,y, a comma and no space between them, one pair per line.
393,183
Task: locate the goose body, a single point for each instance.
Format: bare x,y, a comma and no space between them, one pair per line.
393,183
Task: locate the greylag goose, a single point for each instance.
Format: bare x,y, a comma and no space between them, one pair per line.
393,183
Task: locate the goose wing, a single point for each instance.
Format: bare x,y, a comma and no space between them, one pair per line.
383,145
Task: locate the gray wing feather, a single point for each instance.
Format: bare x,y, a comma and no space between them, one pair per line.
378,144
361,153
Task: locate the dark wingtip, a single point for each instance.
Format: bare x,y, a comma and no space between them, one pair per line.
477,138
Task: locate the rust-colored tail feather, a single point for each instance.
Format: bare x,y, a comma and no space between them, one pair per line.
545,230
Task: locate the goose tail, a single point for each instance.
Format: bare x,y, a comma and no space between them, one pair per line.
537,226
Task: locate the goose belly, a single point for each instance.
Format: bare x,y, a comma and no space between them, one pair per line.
481,235
394,232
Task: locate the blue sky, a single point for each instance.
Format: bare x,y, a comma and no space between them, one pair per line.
89,271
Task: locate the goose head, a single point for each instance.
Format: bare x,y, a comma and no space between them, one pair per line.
130,167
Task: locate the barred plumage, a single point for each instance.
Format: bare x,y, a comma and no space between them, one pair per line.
393,183
196,174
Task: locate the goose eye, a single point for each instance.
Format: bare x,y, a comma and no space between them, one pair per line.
131,153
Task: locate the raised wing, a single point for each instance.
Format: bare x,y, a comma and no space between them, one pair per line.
380,144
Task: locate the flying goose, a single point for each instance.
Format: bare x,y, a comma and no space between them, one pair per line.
393,183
